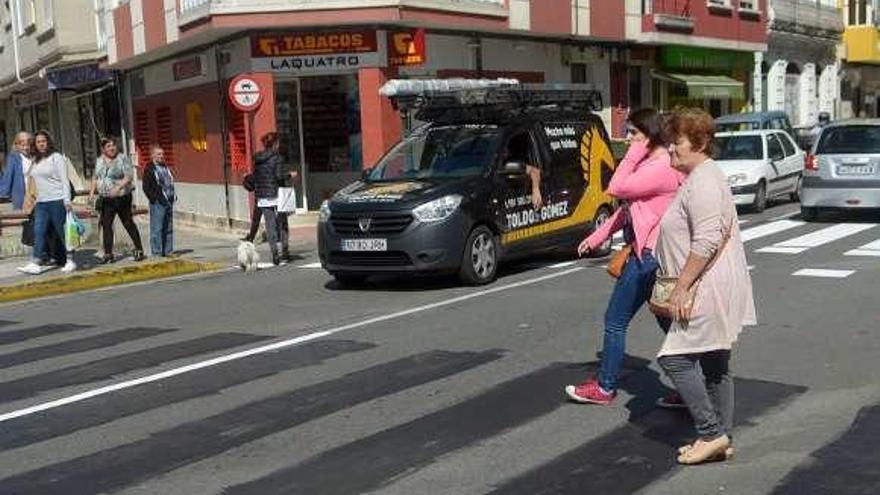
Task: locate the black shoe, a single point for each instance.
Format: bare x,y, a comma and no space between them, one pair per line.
107,258
285,255
246,239
138,255
276,260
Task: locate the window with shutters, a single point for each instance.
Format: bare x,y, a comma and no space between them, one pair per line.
142,136
238,154
165,133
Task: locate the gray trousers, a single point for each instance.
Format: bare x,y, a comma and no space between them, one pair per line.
273,230
705,384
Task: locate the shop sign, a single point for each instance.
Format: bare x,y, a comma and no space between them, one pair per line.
81,75
692,58
32,99
245,93
579,55
315,53
407,48
188,68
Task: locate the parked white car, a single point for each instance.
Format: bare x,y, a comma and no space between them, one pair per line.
760,165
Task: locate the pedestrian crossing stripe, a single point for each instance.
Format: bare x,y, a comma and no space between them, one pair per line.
769,229
823,273
817,238
870,249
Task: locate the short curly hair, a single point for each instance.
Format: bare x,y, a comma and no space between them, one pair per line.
696,125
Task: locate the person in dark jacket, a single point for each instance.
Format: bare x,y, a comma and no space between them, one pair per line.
12,182
267,176
158,183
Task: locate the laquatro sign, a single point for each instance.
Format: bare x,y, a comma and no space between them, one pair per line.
693,58
315,52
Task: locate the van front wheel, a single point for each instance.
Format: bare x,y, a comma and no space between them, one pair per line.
479,265
602,216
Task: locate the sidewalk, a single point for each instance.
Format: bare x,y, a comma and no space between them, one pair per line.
198,249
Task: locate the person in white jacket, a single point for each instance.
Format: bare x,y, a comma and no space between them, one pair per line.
49,172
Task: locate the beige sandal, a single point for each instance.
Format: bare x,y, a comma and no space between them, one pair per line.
728,454
703,451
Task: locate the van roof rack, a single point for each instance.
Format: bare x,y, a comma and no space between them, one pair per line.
470,99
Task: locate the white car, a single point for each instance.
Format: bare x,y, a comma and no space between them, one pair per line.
760,165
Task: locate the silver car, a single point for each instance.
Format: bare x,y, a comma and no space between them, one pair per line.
843,171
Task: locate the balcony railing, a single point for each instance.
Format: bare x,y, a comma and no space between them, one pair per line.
807,17
194,10
672,15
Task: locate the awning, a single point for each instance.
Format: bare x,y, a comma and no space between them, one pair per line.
705,87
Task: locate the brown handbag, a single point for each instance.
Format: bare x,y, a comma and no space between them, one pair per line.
618,261
664,285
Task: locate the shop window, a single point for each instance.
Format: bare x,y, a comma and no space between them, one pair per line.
165,133
237,138
142,136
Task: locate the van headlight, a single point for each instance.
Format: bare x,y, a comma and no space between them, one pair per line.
439,209
737,179
324,212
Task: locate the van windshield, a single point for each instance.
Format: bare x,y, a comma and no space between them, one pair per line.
440,152
851,139
739,148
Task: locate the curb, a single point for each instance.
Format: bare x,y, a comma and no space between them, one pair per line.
103,277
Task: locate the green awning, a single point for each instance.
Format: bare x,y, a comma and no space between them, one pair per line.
706,87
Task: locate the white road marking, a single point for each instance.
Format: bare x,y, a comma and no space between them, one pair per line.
818,238
742,222
869,249
768,229
751,267
817,272
270,347
564,264
311,265
783,217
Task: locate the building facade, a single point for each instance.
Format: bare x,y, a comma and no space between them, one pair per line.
50,77
860,58
320,68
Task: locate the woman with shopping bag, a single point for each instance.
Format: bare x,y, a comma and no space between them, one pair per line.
114,182
267,176
52,203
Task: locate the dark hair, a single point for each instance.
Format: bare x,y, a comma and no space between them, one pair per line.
697,126
269,140
652,124
50,145
108,140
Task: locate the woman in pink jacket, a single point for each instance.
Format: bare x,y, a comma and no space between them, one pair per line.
646,184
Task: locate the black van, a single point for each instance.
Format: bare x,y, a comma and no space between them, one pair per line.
454,196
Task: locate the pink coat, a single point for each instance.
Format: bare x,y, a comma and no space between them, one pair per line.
649,184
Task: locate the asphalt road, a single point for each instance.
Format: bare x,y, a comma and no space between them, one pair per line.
281,382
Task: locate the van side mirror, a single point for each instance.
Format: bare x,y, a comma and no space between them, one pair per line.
365,173
514,168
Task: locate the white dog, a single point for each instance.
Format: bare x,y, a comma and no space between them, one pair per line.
248,257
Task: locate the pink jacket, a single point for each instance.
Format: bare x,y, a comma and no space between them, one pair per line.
649,184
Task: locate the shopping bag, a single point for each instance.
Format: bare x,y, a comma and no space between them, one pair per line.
74,231
286,200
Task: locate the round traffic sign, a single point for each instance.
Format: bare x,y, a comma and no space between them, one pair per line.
245,93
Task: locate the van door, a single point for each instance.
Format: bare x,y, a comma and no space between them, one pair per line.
514,212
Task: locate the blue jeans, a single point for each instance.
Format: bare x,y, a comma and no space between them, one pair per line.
632,290
161,229
48,216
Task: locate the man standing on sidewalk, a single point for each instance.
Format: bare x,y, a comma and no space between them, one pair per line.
159,188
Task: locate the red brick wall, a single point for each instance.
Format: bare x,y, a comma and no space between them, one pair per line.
122,28
714,24
608,19
551,16
154,24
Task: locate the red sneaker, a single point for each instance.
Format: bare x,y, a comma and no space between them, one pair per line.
589,392
672,401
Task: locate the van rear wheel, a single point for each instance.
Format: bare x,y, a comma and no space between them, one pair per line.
479,265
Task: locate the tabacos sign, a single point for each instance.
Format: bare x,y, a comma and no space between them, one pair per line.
315,52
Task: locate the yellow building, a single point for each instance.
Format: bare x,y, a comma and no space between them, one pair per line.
860,57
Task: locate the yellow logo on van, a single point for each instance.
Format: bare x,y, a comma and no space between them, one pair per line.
595,154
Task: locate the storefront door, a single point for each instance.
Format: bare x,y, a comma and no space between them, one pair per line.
288,121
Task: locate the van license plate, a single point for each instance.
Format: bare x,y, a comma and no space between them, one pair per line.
365,244
856,170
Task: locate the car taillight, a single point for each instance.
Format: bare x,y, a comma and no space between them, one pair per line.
811,163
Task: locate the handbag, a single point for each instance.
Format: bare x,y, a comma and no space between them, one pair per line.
618,261
664,285
286,200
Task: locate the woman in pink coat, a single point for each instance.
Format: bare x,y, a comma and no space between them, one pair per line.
646,184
